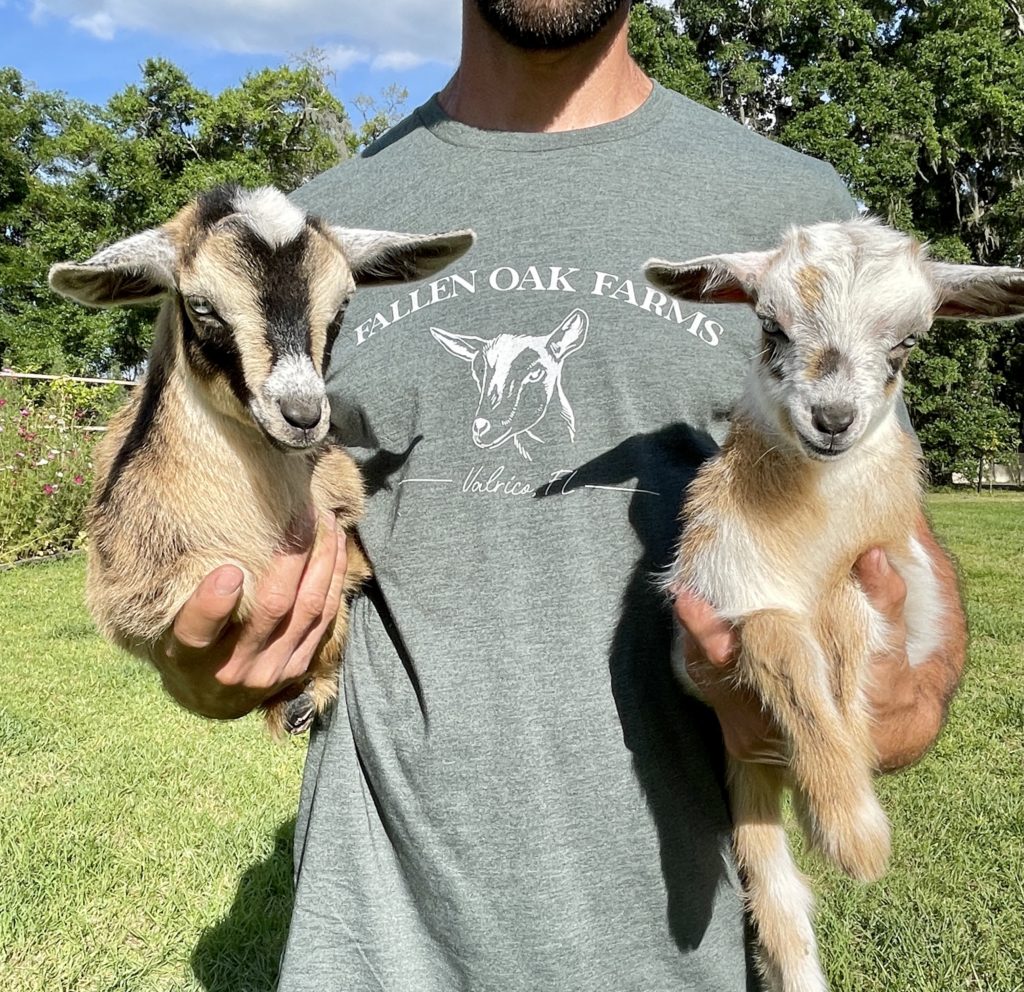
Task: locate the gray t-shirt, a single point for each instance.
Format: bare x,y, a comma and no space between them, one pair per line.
512,795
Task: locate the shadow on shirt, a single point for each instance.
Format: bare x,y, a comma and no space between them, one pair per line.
675,742
242,952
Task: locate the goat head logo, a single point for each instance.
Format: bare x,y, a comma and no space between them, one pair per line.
517,375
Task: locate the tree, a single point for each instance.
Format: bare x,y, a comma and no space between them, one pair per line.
919,107
378,115
74,176
952,391
667,55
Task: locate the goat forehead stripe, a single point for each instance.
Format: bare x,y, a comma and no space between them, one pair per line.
809,280
284,292
268,213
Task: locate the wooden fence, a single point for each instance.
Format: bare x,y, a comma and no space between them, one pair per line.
89,380
11,374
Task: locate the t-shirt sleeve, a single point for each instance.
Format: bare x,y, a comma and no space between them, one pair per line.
839,200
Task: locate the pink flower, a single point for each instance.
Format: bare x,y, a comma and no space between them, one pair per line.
3,401
49,490
24,411
78,480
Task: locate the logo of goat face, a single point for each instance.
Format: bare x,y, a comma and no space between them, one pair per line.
517,375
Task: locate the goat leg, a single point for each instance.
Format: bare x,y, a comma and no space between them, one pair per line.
831,771
778,898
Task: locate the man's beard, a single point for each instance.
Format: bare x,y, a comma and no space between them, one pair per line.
551,24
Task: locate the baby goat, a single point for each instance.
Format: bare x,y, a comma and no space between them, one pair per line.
225,444
816,470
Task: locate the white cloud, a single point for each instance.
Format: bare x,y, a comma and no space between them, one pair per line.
398,60
342,57
391,34
100,24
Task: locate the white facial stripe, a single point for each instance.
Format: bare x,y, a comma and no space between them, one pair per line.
269,213
293,376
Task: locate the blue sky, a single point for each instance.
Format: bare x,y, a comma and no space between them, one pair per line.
90,49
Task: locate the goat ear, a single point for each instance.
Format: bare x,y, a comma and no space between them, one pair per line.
711,279
977,292
139,269
569,335
462,346
379,257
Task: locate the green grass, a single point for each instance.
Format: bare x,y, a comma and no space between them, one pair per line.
141,848
145,850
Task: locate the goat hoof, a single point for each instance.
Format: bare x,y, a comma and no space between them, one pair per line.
298,714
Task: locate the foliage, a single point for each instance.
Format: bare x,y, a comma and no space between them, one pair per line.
951,389
919,106
665,53
378,115
45,464
73,177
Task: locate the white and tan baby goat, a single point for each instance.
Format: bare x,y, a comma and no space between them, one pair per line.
816,469
226,444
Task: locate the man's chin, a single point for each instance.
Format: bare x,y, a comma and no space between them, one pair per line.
548,25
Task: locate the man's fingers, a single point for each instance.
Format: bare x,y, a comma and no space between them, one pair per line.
713,635
304,651
276,593
337,589
311,598
201,621
882,584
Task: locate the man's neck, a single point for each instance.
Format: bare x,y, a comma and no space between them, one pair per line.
500,87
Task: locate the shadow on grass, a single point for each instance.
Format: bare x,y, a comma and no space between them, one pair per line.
243,951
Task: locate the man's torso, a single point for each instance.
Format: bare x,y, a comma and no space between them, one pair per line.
512,794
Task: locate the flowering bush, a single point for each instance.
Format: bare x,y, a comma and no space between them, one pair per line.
45,462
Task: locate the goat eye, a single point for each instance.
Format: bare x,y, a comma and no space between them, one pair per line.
534,376
901,350
202,308
773,329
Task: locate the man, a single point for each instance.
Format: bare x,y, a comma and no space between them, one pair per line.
511,793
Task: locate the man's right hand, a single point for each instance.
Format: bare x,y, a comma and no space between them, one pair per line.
223,669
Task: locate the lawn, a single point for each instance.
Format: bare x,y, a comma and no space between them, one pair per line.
146,850
142,849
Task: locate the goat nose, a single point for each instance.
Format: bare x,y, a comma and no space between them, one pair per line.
833,418
481,426
301,413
